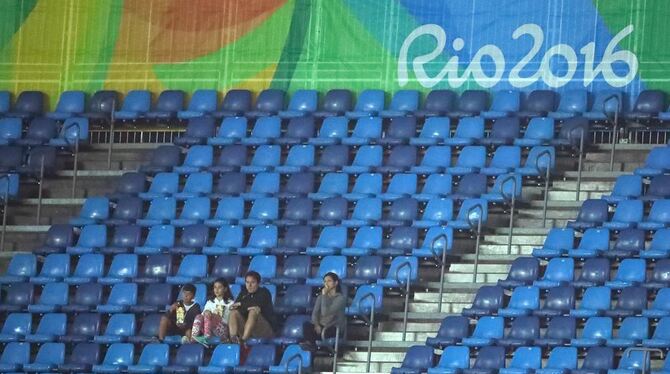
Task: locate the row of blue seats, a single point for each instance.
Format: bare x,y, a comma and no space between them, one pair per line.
627,214
372,130
526,271
297,269
525,359
632,187
170,104
44,131
562,300
367,159
595,242
154,358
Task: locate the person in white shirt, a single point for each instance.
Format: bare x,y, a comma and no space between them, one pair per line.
214,318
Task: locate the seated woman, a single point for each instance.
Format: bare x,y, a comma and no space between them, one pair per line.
252,314
214,319
328,312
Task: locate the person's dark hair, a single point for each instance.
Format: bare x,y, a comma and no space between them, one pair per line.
336,278
227,294
254,275
189,288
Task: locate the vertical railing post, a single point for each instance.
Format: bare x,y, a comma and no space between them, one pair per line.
111,134
512,206
75,156
646,358
479,230
39,191
407,289
615,130
546,182
443,263
370,332
580,162
336,348
4,212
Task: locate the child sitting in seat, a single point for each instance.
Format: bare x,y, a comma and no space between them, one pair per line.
214,319
178,320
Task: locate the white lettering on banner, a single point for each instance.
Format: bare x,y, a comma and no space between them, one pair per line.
495,54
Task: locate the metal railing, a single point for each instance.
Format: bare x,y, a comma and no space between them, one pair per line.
297,356
111,134
547,175
615,129
75,155
647,356
479,232
442,260
371,322
5,203
40,184
512,200
407,284
580,158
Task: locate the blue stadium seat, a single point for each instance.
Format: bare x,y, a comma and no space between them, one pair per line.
470,160
228,238
263,185
523,301
471,103
336,102
294,359
122,269
605,104
452,330
560,331
296,300
540,131
454,359
95,209
86,297
402,158
367,130
261,239
292,331
298,131
332,185
298,184
192,268
538,103
504,104
21,267
487,301
10,130
154,356
559,272
195,211
629,243
197,184
298,210
155,298
127,210
118,328
631,272
294,241
525,359
435,186
229,210
262,212
102,104
156,268
130,184
596,332
561,360
302,103
505,187
161,211
400,186
162,185
5,101
117,359
367,241
436,159
91,238
658,218
203,103
399,131
55,267
558,301
40,131
83,328
331,240
661,336
631,332
632,362
434,131
647,106
15,327
504,131
597,360
595,272
367,158
367,269
437,212
50,327
418,359
627,214
227,267
11,158
657,162
163,159
593,213
369,298
468,132
9,183
505,159
366,211
168,104
472,212
661,305
369,103
438,239
470,186
488,361
332,131
187,359
557,243
135,105
268,103
259,359
626,187
522,272
49,356
266,130
404,102
81,359
539,159
595,301
17,297
28,104
402,212
89,268
266,158
232,130
121,297
659,188
367,185
70,104
223,360
198,131
235,103
198,158
437,103
264,265
660,276
572,103
403,269
299,158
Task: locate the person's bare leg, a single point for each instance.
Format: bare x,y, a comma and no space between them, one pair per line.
251,323
234,321
163,327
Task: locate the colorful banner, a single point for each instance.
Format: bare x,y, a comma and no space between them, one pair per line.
56,45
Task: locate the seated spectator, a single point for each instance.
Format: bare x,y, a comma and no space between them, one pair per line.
328,313
214,319
178,320
252,314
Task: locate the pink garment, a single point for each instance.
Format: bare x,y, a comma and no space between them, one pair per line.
210,324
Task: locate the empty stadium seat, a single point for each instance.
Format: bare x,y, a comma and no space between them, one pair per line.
203,102
336,102
259,359
504,104
468,132
303,102
21,267
605,104
572,103
561,359
40,131
487,301
592,214
28,104
70,103
558,301
49,356
50,327
523,301
81,359
369,103
268,103
15,327
647,106
10,130
595,301
523,271
626,187
232,130
538,103
168,104
17,297
399,131
434,131
235,103
560,331
135,105
656,163
524,360
596,332
117,358
471,103
418,358
540,131
86,297
102,104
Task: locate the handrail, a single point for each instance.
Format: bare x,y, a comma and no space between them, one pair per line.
647,353
581,156
537,159
479,230
369,294
407,284
506,179
75,166
443,263
111,132
371,322
39,191
615,132
547,173
297,355
5,204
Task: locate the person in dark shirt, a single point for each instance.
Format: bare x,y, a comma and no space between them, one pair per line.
169,325
252,314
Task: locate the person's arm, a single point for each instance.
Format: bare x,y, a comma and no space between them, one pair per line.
316,313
